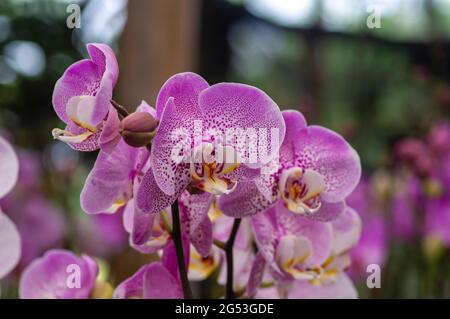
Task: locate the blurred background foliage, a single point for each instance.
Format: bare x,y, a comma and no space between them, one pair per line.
374,86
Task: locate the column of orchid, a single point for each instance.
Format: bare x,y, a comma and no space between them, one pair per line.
273,223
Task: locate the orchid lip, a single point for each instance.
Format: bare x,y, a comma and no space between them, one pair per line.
209,173
300,190
201,267
68,137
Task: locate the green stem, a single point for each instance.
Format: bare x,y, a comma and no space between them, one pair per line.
176,235
229,293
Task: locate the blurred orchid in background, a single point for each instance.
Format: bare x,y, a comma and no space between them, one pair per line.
9,236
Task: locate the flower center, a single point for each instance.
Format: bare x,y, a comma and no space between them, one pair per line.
211,168
292,255
300,189
201,267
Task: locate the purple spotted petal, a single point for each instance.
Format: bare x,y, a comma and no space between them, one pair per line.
202,237
160,284
327,153
328,211
185,89
96,76
195,207
48,277
342,288
171,176
9,245
150,199
245,200
9,167
194,214
256,275
244,173
330,155
110,181
236,106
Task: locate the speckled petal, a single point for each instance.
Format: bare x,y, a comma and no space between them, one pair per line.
245,200
236,106
184,88
327,153
171,175
150,198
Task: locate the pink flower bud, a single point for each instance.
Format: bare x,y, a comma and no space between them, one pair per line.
138,129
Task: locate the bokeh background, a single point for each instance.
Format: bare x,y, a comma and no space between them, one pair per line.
387,90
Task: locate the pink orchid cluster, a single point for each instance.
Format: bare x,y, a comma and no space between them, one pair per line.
421,200
406,204
214,180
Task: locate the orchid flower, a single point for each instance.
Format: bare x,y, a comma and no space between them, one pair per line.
60,274
316,170
180,159
109,185
10,243
81,99
299,253
293,247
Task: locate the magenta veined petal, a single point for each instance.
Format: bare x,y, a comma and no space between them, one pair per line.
10,245
9,167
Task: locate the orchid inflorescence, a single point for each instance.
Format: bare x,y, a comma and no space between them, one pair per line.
215,180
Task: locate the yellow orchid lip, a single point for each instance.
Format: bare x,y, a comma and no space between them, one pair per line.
300,190
201,267
209,175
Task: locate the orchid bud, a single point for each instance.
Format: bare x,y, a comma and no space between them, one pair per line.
138,129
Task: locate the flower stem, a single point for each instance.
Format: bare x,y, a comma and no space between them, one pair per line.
120,109
176,235
229,294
